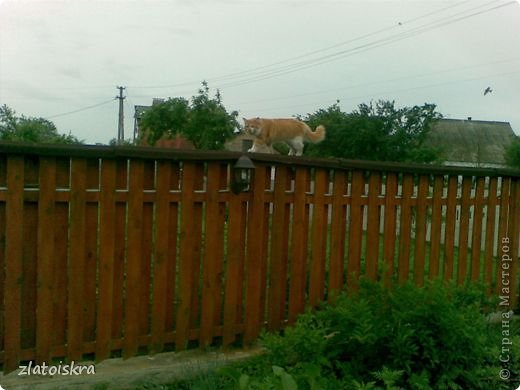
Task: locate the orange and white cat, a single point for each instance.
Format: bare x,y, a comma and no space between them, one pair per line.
291,131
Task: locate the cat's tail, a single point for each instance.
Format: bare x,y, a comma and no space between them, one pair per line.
316,136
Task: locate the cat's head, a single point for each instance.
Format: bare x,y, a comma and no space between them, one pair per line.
252,126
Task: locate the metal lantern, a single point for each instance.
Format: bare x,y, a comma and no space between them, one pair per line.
242,172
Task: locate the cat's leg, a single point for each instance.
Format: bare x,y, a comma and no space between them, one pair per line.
296,145
257,146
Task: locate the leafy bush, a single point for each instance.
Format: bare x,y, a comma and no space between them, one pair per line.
407,337
434,337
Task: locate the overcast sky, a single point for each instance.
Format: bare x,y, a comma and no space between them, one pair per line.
62,60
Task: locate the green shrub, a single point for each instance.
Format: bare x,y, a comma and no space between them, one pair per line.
433,337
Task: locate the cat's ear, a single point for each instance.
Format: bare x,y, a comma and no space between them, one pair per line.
244,119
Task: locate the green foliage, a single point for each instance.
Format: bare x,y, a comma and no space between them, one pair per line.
433,337
512,155
407,337
203,120
27,129
377,131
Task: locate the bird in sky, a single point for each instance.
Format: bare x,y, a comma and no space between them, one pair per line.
487,90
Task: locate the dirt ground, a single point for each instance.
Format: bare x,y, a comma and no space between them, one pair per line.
141,371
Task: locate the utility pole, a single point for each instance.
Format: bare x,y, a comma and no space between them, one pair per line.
121,125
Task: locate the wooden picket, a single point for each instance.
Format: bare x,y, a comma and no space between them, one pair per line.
117,251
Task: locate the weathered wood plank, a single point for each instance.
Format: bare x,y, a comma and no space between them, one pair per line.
337,235
462,269
188,250
300,228
390,227
133,259
255,256
373,221
76,261
405,229
319,238
46,256
451,218
420,230
107,242
355,230
214,242
436,227
13,262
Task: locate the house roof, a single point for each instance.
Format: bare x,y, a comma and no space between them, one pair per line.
471,141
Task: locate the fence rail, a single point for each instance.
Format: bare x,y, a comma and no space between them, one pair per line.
117,251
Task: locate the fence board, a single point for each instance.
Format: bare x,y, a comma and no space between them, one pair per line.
337,235
389,231
405,229
76,262
188,249
30,240
46,239
280,236
106,259
373,220
13,262
265,237
478,214
132,303
491,208
197,248
256,221
91,261
172,250
319,238
60,293
355,229
160,257
214,241
464,230
224,171
451,218
298,246
234,269
420,230
436,227
146,267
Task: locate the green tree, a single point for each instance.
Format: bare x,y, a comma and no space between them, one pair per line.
512,154
376,131
203,120
30,129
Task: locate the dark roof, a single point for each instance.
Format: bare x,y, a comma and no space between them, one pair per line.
471,141
140,110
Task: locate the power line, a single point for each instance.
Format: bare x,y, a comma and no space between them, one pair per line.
80,109
273,70
358,49
408,77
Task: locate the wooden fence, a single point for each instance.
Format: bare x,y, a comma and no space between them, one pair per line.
119,251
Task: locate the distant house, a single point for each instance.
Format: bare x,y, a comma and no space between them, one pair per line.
471,143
